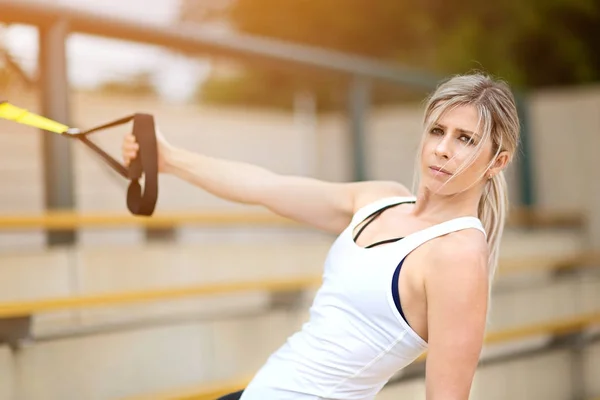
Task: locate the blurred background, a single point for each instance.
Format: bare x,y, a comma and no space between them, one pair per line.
187,304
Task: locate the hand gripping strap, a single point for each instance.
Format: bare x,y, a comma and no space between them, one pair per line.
139,202
143,202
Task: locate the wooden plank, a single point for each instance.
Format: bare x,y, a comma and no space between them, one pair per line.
74,220
552,262
558,327
210,391
24,308
540,218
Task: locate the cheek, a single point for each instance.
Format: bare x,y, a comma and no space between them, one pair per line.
475,167
427,147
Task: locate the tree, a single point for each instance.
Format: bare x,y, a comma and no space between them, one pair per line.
530,43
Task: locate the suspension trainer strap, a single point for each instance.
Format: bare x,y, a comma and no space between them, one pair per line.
140,201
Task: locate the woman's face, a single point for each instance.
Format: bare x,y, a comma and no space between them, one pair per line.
453,141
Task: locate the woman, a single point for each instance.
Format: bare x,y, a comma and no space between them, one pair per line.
407,272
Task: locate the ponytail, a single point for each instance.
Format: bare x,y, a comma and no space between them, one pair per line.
493,209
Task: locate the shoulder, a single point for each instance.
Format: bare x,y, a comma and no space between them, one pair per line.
459,261
468,245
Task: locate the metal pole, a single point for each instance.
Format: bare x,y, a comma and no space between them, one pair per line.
359,100
578,387
591,146
58,180
525,161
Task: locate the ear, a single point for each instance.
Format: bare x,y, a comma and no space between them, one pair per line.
501,161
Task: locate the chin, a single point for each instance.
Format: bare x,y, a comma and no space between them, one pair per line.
440,188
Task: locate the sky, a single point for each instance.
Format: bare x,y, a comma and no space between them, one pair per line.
92,60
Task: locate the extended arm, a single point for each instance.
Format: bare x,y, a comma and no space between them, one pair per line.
325,205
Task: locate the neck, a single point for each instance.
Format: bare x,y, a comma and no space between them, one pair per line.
438,208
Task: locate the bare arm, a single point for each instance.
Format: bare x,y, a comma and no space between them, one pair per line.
456,284
325,205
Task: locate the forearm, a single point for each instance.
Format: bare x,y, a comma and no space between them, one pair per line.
231,180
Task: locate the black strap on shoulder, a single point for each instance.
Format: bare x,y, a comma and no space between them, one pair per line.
139,201
372,217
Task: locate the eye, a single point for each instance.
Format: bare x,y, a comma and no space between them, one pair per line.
466,139
436,131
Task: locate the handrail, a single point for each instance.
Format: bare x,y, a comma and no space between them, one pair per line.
557,327
25,308
74,220
548,262
244,48
299,283
539,217
209,391
68,220
562,326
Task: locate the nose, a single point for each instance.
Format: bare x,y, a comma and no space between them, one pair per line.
442,149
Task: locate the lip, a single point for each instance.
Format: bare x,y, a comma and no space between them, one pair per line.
439,170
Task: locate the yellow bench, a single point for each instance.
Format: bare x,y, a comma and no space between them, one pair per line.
26,308
540,218
560,327
210,391
70,220
542,262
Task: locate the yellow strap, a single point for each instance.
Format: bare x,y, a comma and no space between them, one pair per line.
22,116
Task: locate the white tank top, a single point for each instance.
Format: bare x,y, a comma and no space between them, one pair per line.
355,339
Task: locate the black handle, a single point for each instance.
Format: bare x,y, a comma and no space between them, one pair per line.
139,202
143,202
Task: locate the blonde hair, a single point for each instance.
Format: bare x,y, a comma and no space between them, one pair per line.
499,121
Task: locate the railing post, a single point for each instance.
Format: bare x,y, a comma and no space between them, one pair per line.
58,179
359,100
591,195
578,368
525,162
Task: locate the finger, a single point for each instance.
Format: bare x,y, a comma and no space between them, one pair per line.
128,157
129,139
131,154
130,147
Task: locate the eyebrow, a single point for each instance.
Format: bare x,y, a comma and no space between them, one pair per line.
459,130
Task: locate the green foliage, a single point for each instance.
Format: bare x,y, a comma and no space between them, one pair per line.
530,43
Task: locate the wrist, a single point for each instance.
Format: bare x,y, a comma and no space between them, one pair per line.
169,156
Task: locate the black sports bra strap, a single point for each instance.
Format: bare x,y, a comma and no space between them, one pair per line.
367,221
372,218
383,242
